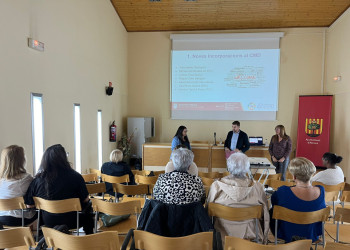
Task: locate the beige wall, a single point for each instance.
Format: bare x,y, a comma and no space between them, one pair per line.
338,63
149,84
85,48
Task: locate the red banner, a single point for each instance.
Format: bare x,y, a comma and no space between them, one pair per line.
314,125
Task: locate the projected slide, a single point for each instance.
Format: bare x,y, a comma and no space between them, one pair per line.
225,84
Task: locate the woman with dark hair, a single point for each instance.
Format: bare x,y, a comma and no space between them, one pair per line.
333,175
56,180
14,182
279,149
180,138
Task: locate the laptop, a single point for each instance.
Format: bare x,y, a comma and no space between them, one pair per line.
256,140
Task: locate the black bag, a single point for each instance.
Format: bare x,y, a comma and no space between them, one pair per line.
42,244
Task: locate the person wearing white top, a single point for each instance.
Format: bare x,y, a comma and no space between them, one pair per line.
14,182
333,175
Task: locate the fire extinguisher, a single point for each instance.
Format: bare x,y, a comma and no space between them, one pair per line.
113,132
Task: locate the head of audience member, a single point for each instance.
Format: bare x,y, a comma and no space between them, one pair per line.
116,156
235,126
238,165
181,133
54,163
12,162
182,159
330,160
302,169
181,146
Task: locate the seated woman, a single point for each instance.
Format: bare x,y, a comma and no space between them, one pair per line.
56,180
302,197
193,170
238,190
333,175
14,182
116,167
179,187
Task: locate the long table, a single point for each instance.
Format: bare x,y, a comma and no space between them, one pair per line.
208,158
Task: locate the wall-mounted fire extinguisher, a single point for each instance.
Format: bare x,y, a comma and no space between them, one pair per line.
113,132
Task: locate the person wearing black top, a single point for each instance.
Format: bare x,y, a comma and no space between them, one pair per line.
116,167
56,180
236,139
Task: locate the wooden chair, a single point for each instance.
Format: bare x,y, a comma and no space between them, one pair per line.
336,246
57,207
131,207
115,179
285,214
16,237
156,173
341,215
133,190
207,181
206,188
90,177
275,184
345,197
102,241
149,241
96,189
236,214
139,179
95,171
233,243
141,172
12,204
212,175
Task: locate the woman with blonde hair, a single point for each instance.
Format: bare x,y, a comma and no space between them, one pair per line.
279,149
116,167
14,182
303,197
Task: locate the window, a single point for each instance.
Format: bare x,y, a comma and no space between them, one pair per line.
99,137
77,138
37,129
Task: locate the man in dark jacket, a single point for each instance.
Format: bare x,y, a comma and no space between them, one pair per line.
236,139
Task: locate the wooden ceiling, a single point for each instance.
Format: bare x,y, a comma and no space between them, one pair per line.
181,15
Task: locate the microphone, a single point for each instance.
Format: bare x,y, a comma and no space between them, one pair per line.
215,139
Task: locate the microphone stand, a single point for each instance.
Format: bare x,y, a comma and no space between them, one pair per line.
215,139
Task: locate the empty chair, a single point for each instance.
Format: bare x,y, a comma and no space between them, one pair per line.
345,197
233,243
207,181
95,171
237,214
101,241
96,189
141,172
90,177
131,207
275,184
342,215
148,241
110,180
139,179
16,237
132,190
301,218
336,246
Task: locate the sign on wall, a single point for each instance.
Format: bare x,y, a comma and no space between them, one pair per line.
314,127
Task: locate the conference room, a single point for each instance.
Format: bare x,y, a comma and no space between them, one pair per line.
76,73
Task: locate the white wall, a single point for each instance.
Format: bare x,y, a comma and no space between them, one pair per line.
85,48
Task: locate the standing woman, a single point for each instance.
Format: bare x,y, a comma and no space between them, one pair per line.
180,138
279,149
14,182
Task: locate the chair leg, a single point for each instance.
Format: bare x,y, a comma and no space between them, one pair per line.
37,227
78,223
22,217
337,236
276,222
323,237
96,217
333,212
256,231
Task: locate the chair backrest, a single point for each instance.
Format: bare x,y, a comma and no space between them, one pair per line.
331,196
342,215
12,204
234,213
275,184
274,177
103,241
207,181
95,171
212,175
233,243
206,188
141,189
330,188
141,172
96,188
116,208
345,196
148,241
90,177
285,214
336,246
146,179
115,179
58,206
16,237
156,173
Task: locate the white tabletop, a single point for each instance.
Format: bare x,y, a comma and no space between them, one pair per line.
260,162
